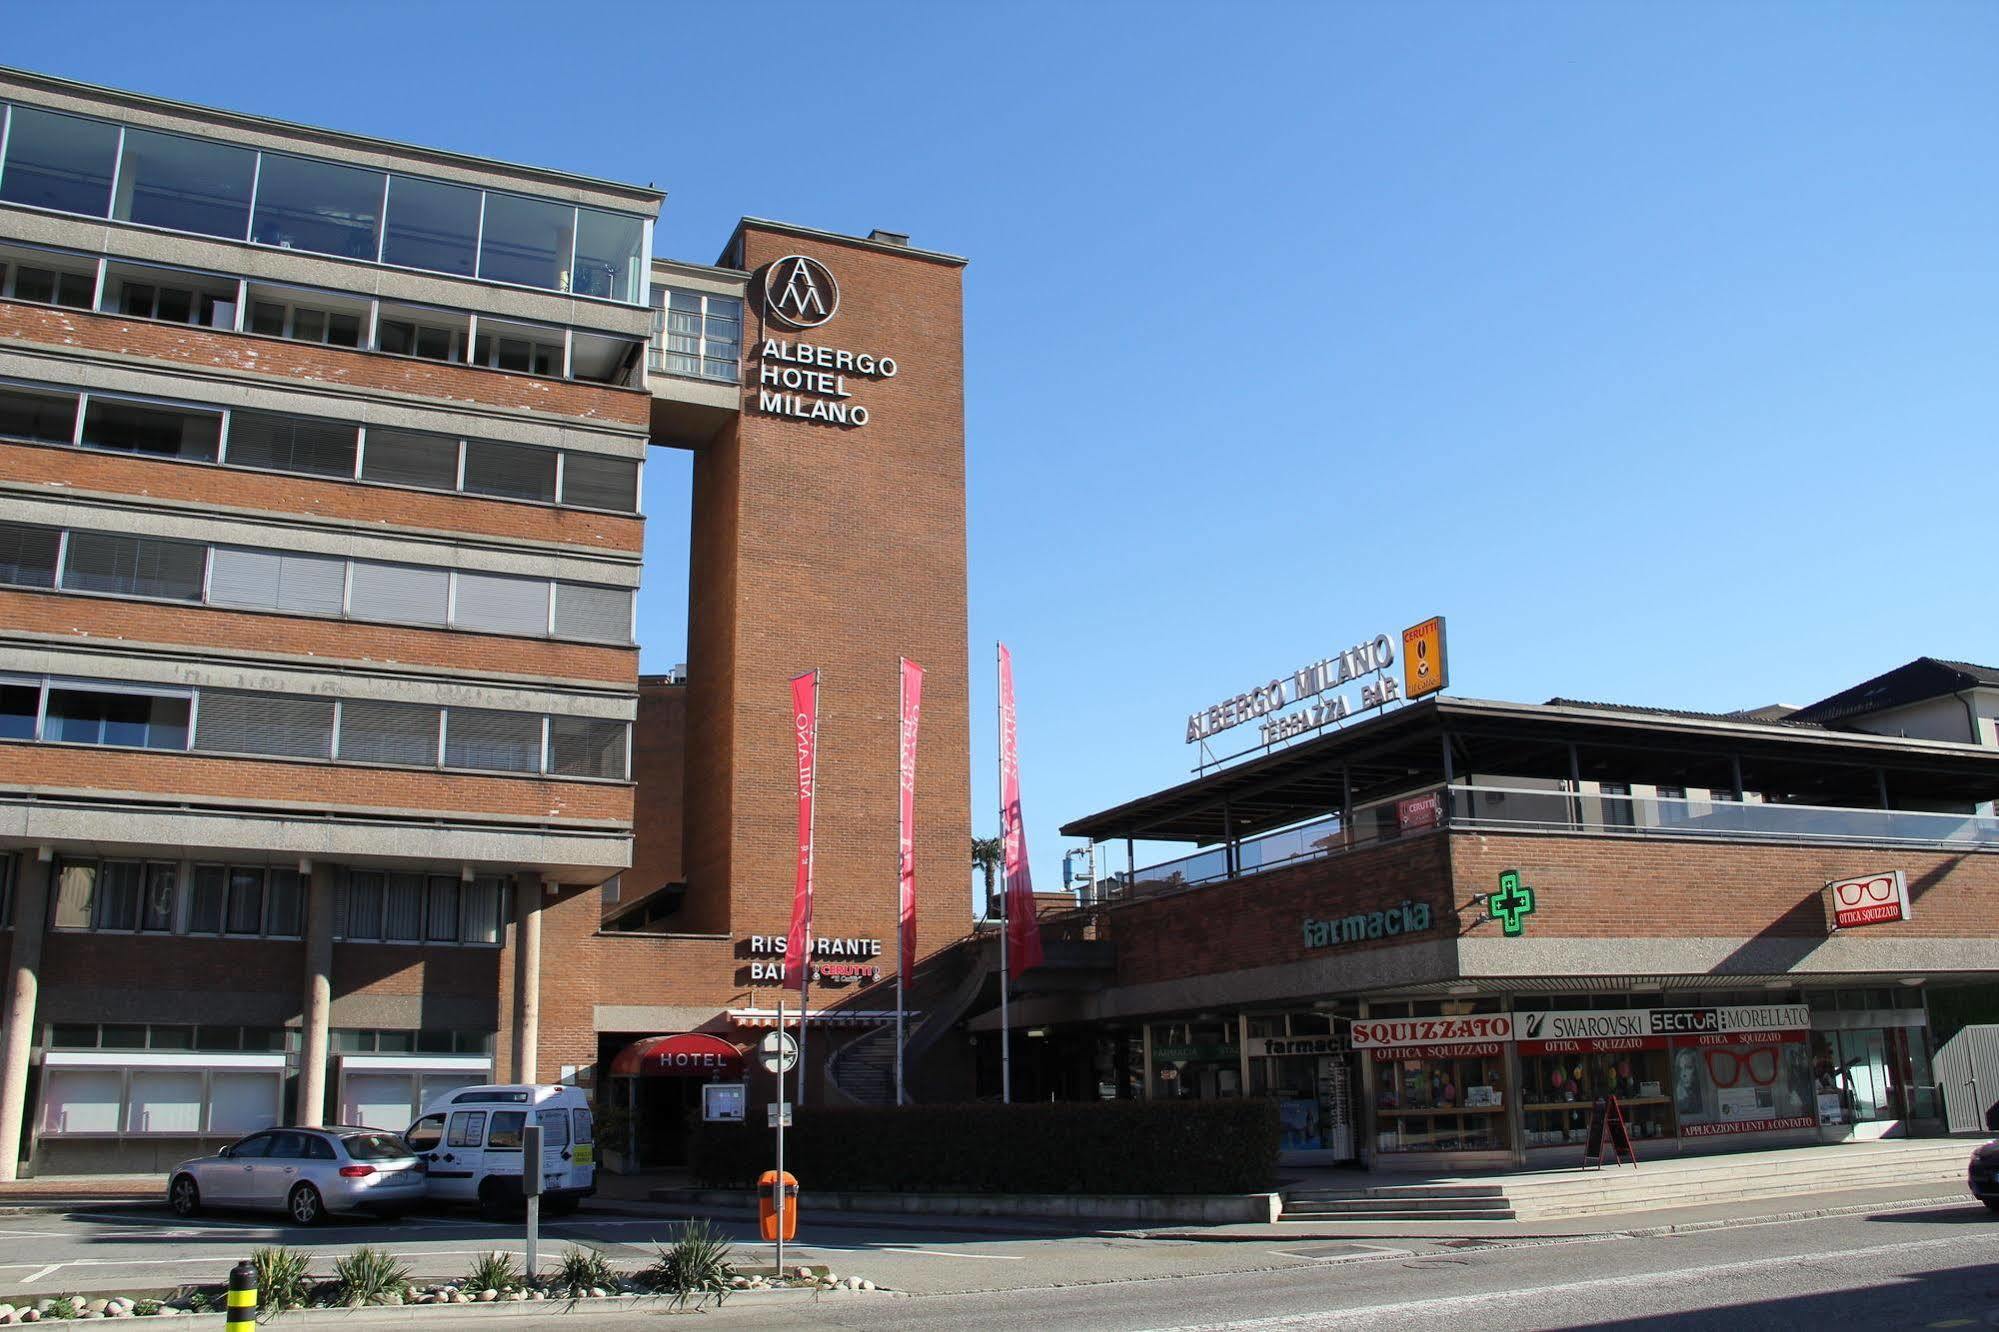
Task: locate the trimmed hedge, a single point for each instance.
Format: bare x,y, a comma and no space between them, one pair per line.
1038,1147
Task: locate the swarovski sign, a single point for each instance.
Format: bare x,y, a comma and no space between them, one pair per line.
802,380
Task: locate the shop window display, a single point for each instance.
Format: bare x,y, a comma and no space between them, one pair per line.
1441,1105
1559,1089
1743,1086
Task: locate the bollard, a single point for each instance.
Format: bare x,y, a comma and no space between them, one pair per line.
242,1296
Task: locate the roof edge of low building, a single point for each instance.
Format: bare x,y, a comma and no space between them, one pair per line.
839,238
648,196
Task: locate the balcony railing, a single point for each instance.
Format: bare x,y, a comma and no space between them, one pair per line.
1521,809
683,365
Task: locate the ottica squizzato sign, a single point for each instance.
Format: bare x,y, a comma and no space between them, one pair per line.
1872,899
810,381
1478,1029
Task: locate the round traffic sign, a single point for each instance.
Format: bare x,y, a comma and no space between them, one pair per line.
778,1053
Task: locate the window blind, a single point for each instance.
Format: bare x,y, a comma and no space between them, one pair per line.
586,747
240,722
28,555
398,592
372,732
501,605
403,921
512,471
407,458
277,580
134,566
485,738
592,481
290,444
601,614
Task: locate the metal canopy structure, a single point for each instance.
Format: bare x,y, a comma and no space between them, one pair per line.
1445,739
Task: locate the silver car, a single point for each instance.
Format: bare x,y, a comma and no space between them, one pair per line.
306,1173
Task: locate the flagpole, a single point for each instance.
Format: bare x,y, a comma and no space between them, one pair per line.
901,866
778,1188
1006,925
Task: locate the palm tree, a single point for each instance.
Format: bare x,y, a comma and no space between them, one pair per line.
986,855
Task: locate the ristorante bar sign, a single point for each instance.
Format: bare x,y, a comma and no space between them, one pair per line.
808,381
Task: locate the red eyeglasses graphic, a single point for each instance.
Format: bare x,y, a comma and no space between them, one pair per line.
1865,890
1761,1065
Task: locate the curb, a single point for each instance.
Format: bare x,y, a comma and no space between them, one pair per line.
1497,1237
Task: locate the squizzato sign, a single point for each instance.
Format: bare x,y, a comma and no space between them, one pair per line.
1389,1033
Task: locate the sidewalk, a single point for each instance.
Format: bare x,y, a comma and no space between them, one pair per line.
1642,1221
50,1191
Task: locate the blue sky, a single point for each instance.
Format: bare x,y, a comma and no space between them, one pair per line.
1653,345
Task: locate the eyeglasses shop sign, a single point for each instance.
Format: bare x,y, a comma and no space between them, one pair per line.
809,381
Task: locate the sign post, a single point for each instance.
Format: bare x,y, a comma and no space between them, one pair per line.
531,1138
779,1054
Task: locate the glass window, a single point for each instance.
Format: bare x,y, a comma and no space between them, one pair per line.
242,722
185,184
133,566
157,912
514,471
585,1128
276,580
302,444
28,555
431,334
406,458
58,161
485,904
117,905
403,917
139,427
468,1128
699,336
246,902
506,1134
277,314
605,360
602,614
18,705
124,1036
178,298
527,241
52,286
374,1147
204,907
496,603
284,906
554,1127
73,1036
81,1100
610,251
525,350
318,206
372,732
238,1102
86,717
401,593
425,1134
586,747
169,1037
165,1101
364,904
431,225
491,739
76,888
28,414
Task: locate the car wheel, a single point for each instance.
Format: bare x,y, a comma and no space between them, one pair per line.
306,1206
184,1196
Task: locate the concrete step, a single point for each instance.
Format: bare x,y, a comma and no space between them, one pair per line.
1398,1191
1356,1207
1320,1218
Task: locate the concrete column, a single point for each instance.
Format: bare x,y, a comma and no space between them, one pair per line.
17,1026
318,1007
527,977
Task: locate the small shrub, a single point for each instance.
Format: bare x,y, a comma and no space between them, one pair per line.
493,1271
694,1265
63,1306
281,1277
145,1308
368,1276
197,1302
582,1268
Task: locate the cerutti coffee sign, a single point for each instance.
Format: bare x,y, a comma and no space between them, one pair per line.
806,380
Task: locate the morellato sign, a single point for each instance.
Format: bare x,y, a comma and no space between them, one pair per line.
1409,918
1307,682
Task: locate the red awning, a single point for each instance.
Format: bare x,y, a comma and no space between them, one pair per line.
692,1054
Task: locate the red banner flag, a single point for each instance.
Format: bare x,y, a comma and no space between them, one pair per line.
912,712
805,739
1023,929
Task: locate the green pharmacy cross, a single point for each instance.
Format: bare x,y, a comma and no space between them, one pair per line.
1512,904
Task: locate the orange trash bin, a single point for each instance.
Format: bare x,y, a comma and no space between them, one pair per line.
767,1205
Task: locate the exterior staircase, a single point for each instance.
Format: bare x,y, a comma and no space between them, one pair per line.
862,1071
1683,1181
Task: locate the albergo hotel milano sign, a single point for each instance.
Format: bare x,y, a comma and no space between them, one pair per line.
809,381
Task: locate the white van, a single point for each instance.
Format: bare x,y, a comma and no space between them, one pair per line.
470,1143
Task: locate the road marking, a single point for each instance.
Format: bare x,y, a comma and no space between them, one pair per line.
1675,1276
52,1267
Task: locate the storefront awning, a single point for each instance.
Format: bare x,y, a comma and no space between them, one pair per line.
691,1054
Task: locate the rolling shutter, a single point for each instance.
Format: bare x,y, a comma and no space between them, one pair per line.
496,741
592,481
372,732
600,614
586,747
501,605
406,458
399,592
513,471
230,722
276,580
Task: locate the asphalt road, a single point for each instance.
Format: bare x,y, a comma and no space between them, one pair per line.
1935,1267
